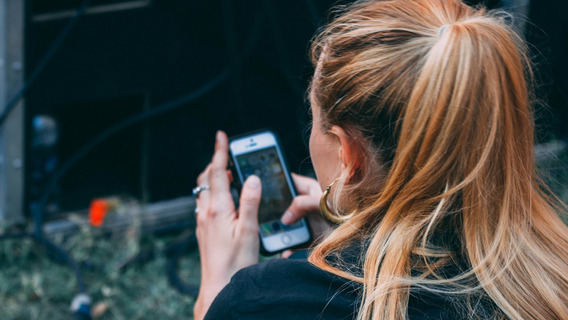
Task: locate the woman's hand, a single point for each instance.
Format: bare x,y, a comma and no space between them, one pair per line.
228,238
306,204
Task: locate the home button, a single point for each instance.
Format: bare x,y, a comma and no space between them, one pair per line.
286,239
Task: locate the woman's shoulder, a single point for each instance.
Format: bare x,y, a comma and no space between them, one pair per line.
286,289
295,271
296,289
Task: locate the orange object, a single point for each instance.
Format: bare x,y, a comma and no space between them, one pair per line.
97,212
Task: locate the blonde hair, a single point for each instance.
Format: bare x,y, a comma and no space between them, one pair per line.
445,119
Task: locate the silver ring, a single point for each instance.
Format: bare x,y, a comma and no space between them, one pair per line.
196,210
197,190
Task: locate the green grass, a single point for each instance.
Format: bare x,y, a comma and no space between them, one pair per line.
32,286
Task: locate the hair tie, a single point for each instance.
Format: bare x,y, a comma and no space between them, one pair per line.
441,31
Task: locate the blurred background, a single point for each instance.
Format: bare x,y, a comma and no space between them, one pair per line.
109,107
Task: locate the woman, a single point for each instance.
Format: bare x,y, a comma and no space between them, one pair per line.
422,126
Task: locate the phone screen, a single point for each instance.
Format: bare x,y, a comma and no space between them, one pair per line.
276,194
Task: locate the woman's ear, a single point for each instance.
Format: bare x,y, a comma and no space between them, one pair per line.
350,151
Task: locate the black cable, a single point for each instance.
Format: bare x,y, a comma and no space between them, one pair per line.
174,252
38,210
88,147
11,105
66,257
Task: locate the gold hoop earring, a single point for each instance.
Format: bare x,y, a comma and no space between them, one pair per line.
326,212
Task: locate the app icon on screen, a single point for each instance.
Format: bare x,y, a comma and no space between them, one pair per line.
265,228
276,226
243,162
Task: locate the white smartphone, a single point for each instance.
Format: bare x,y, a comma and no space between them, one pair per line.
260,154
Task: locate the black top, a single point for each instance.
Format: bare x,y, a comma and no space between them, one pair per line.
296,289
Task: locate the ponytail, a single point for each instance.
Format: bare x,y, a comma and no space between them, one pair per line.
439,92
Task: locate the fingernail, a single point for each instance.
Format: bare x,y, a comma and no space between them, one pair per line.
253,182
218,135
286,217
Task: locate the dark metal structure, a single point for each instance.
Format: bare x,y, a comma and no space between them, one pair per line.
124,57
